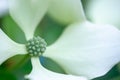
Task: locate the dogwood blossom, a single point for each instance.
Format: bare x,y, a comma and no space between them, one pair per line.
24,21
84,48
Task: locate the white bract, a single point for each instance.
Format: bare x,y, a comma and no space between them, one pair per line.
84,48
28,14
66,11
39,72
9,48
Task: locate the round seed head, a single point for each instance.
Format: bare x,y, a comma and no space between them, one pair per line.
36,46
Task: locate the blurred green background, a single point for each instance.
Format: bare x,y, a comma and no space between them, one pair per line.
16,67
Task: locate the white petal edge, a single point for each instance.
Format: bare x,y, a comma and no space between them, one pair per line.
28,13
86,49
9,48
3,7
40,73
104,11
66,11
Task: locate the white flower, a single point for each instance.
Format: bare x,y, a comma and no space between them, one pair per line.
104,11
27,15
84,48
27,18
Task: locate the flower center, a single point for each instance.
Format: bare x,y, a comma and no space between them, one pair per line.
36,46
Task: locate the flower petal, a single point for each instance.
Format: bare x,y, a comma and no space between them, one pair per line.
40,73
66,11
28,13
3,7
8,48
104,11
87,49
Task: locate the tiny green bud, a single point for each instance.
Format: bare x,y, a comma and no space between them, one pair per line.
36,46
